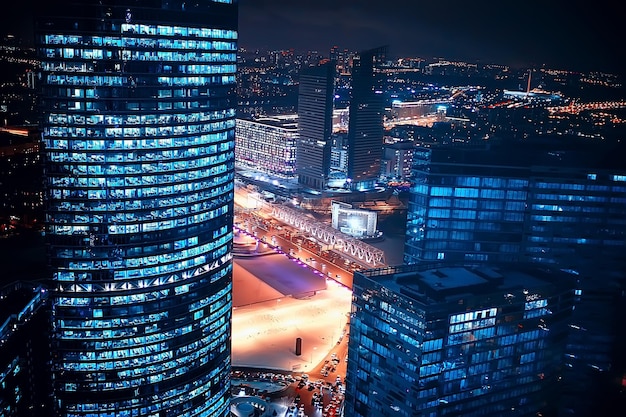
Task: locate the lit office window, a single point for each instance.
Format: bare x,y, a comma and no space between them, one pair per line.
138,127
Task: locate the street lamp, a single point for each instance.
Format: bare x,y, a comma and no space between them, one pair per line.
315,348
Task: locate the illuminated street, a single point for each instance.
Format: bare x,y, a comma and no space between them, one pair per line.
284,290
279,297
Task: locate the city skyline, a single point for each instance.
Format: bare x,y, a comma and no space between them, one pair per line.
577,37
558,33
165,149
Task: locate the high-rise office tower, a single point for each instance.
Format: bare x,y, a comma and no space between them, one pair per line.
24,351
365,129
559,203
315,118
138,119
433,340
549,203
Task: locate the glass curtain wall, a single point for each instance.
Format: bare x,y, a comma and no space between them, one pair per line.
138,126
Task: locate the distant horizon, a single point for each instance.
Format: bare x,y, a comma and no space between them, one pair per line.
392,56
577,37
533,33
27,41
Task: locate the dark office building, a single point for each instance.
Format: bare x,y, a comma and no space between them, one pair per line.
138,122
25,377
315,117
594,379
556,203
543,203
442,340
365,127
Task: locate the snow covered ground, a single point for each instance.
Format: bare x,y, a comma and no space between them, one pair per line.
266,322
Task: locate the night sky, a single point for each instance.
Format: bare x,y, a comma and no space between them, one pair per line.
575,35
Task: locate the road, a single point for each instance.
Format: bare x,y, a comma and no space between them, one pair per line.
317,349
329,394
264,331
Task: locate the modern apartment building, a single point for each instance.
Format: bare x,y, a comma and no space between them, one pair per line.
444,340
268,145
397,161
138,122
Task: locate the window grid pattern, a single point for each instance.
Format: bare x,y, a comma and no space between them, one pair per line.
550,217
266,147
138,128
447,357
466,218
571,221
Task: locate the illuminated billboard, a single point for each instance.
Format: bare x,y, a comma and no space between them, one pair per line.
354,222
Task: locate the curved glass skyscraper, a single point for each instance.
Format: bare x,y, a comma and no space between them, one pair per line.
138,127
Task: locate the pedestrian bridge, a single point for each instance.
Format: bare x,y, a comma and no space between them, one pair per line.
330,236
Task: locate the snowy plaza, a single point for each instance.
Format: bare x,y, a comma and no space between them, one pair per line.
276,299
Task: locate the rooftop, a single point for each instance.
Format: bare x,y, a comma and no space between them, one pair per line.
435,283
449,278
289,122
562,152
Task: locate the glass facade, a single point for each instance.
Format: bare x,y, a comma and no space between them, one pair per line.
315,111
268,145
497,210
552,204
138,127
573,220
365,129
456,341
24,353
